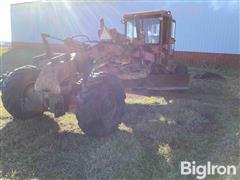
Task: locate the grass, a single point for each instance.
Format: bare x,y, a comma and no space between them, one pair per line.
3,50
159,131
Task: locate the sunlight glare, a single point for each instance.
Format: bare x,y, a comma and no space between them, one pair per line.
5,18
5,30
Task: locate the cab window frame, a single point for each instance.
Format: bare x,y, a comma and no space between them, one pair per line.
159,32
140,25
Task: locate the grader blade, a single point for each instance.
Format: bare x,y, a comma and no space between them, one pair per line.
159,82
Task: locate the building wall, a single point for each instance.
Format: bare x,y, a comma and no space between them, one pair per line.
200,58
201,27
181,57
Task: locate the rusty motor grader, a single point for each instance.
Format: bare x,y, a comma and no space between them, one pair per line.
89,78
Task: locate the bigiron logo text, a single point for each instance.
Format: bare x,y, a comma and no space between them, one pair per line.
202,171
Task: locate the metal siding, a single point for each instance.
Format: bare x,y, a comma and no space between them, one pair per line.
200,28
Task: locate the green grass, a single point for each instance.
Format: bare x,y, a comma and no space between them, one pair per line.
158,132
3,50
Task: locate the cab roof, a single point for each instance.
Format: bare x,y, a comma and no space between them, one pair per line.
158,13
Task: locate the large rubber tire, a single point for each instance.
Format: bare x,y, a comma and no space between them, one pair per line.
14,89
102,105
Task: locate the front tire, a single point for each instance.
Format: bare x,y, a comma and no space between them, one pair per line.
14,92
102,105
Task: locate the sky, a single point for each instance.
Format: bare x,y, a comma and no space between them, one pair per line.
208,26
5,20
5,29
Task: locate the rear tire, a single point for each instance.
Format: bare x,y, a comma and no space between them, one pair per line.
13,92
102,105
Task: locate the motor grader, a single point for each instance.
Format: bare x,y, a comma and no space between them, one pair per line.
90,77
